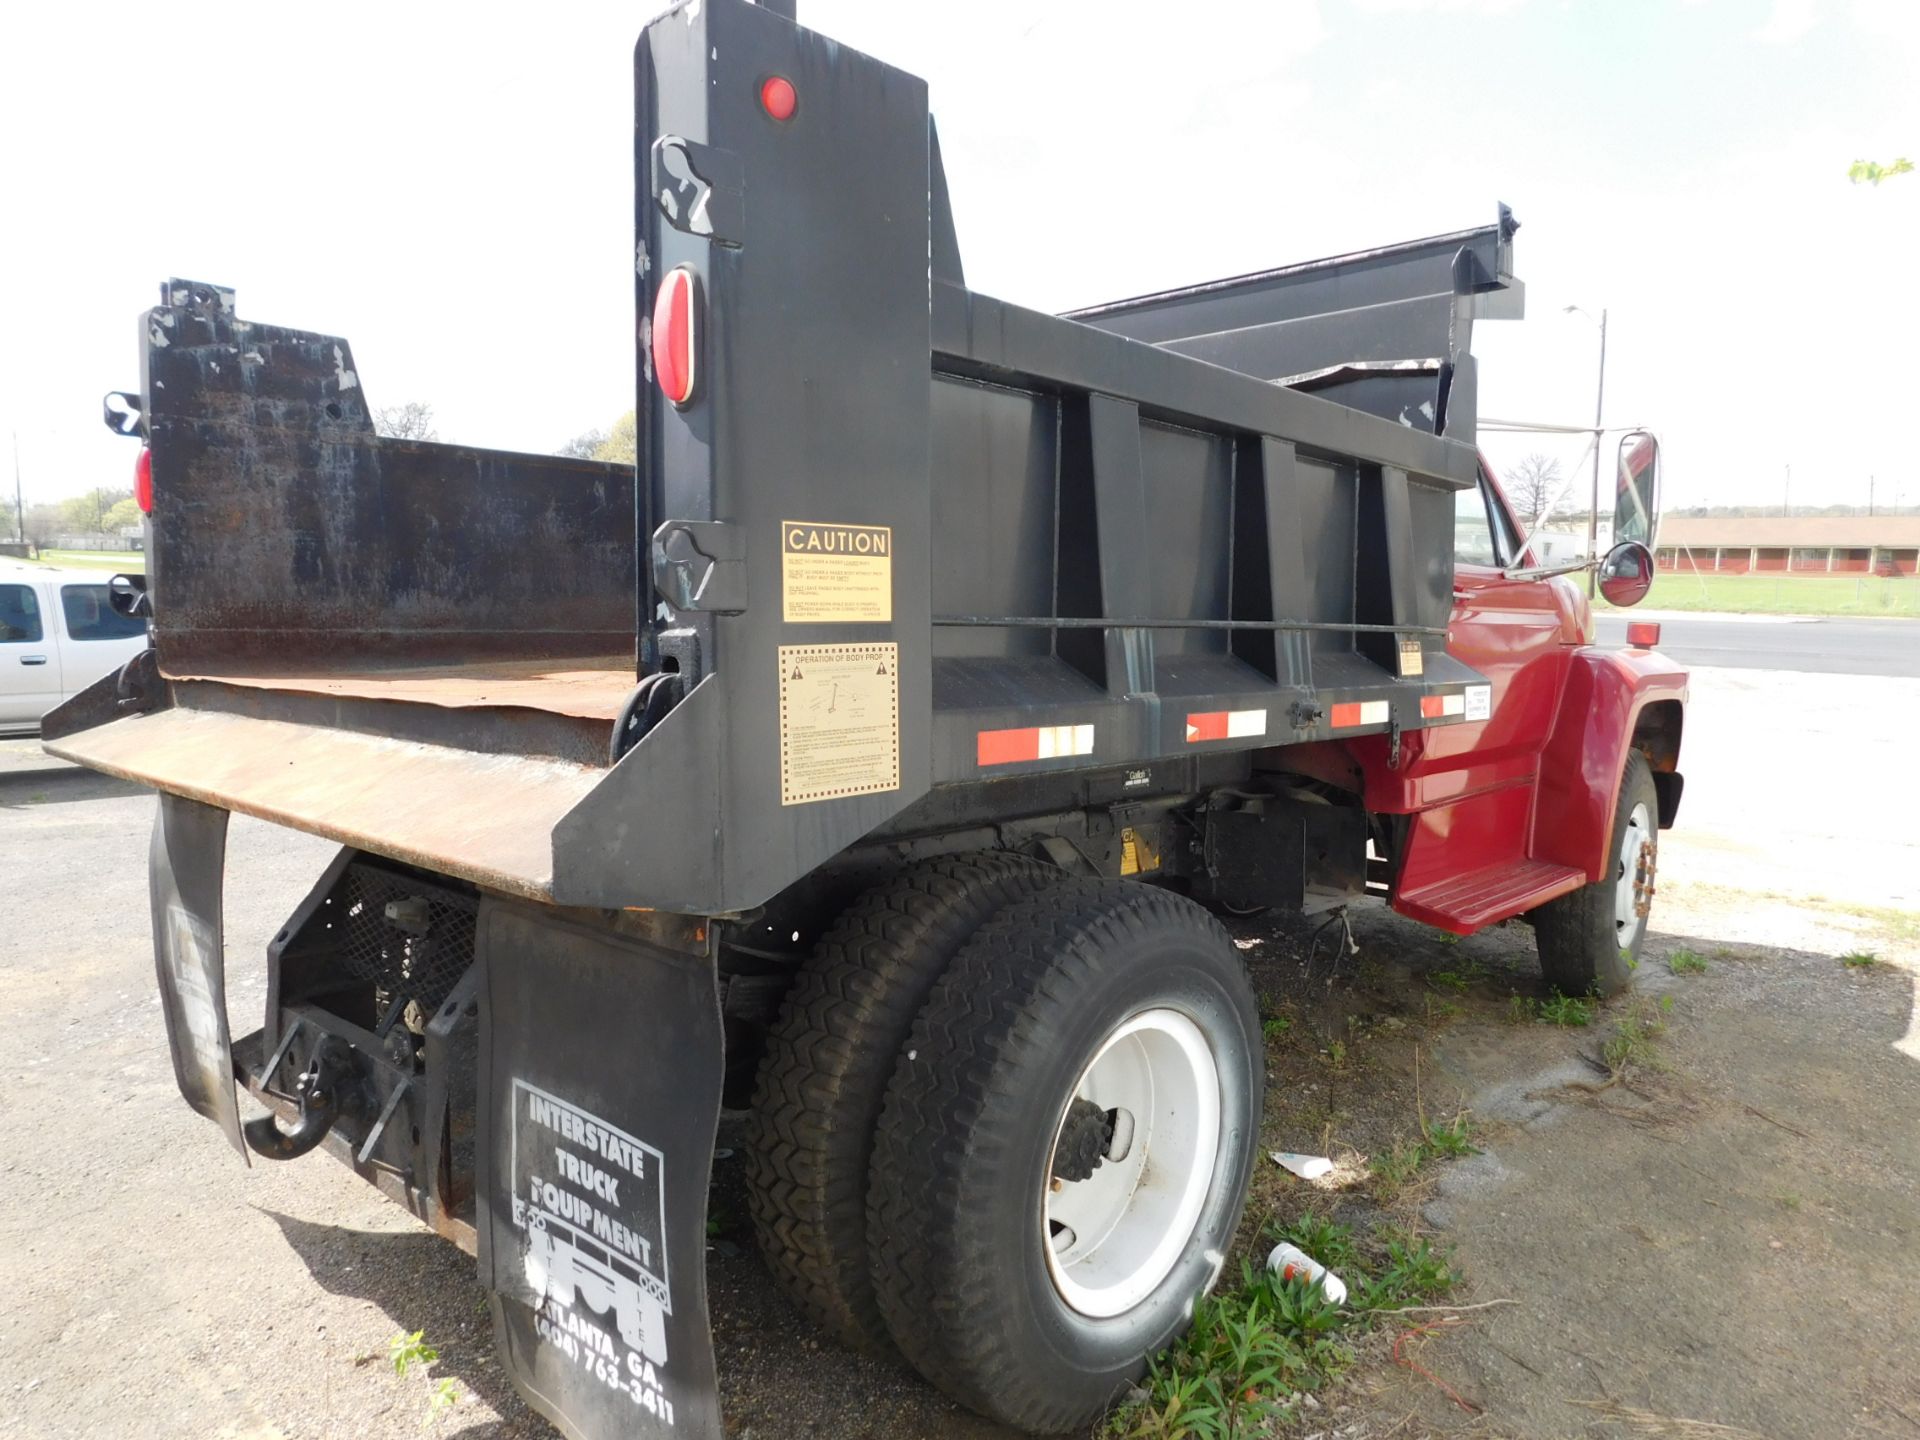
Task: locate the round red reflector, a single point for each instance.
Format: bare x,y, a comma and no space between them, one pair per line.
673,337
143,481
777,97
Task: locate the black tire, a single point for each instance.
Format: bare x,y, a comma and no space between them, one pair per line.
967,1142
1582,949
825,1071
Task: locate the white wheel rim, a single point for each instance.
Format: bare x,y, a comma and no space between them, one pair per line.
1633,878
1112,1238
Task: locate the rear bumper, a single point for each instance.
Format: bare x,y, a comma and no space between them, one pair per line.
541,1087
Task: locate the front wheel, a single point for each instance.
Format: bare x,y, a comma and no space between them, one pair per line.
1065,1150
1590,941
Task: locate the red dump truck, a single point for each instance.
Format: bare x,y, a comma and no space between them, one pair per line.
873,755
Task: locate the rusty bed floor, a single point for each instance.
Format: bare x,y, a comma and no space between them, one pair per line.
485,815
590,688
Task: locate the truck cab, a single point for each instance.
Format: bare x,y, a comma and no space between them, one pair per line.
59,633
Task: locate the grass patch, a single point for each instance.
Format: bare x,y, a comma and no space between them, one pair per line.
1394,1171
87,559
1631,1045
1411,1272
1448,1139
1568,1011
1860,959
1897,926
1778,594
1274,1026
1328,1241
1458,978
1686,962
1254,1348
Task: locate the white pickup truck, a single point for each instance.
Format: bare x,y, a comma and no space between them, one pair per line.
58,634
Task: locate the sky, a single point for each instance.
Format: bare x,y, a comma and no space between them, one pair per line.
450,188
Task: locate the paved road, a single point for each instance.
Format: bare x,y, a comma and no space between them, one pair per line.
1769,642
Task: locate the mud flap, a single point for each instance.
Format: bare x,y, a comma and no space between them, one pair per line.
600,1066
185,867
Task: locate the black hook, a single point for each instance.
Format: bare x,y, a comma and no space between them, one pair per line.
314,1091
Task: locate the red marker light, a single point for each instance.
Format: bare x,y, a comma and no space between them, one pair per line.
675,310
777,97
1643,634
143,481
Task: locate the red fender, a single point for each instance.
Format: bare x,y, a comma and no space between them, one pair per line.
1606,700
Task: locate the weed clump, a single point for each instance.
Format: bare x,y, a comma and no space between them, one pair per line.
1571,1011
1255,1349
1394,1170
1686,962
405,1352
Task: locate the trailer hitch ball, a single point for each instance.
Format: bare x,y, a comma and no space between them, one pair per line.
314,1094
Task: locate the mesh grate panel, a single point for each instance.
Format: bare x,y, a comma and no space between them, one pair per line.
422,967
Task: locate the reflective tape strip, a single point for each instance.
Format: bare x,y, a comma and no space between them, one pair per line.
1045,742
1436,707
1360,712
1226,725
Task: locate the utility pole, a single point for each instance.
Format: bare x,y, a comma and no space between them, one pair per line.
1786,495
1869,497
1599,403
19,507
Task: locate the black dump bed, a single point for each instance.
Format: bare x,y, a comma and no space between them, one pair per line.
905,547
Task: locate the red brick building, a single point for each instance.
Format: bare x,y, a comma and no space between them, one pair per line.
1796,544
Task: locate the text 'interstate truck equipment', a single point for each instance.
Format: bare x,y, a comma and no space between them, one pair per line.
872,755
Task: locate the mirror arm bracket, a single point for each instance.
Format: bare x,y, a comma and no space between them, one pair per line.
1546,572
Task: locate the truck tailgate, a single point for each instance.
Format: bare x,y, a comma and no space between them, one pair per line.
483,816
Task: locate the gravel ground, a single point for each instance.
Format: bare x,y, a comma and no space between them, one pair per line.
1713,1241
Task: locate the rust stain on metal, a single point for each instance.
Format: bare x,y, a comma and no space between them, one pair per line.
483,817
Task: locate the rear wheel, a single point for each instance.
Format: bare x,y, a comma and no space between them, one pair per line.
825,1071
1065,1150
1590,941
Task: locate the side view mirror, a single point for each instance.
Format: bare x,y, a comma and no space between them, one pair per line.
1626,574
1636,499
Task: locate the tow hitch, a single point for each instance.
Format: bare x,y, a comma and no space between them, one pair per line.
313,1092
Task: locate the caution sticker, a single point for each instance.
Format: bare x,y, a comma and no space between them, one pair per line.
839,721
1138,852
1412,661
836,573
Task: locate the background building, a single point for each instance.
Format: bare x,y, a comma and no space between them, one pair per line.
1782,544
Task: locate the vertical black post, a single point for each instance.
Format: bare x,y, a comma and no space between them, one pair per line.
1287,561
1120,509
